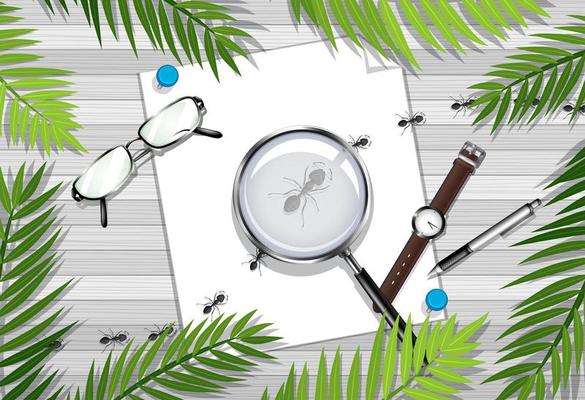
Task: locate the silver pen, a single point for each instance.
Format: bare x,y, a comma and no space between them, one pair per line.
499,229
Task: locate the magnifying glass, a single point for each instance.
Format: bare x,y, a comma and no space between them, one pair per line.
302,195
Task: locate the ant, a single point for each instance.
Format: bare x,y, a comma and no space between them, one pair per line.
256,261
411,120
362,142
312,183
534,103
462,103
169,329
220,298
55,345
569,108
120,337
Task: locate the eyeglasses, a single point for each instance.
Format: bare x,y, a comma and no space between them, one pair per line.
108,173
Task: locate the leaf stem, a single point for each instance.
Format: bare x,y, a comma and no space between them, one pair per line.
5,241
545,68
189,15
566,324
170,366
19,98
408,382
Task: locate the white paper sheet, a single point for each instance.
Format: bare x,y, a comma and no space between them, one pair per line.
344,93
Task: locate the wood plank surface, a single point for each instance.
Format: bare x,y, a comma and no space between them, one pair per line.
123,276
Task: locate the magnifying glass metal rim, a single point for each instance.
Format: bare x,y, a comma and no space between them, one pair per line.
342,247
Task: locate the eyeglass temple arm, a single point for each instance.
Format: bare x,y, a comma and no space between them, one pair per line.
200,104
208,132
103,212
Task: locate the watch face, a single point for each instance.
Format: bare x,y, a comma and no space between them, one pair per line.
428,222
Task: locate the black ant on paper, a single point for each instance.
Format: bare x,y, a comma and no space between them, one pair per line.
256,261
570,107
312,183
462,103
219,299
362,142
415,119
169,329
121,337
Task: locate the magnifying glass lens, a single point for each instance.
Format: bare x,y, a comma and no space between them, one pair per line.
303,195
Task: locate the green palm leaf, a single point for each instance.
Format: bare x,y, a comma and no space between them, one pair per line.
26,260
550,345
428,382
549,74
33,95
182,27
435,22
193,362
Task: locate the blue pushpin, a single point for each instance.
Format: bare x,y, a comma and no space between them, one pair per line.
167,76
436,300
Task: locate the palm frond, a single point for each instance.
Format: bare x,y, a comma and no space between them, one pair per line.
544,77
437,23
195,27
34,96
546,342
445,349
27,235
200,359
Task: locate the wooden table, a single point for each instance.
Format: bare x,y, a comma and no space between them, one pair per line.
123,274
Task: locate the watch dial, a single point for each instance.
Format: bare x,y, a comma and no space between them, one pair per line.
428,222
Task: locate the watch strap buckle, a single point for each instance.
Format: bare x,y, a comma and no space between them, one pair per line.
472,154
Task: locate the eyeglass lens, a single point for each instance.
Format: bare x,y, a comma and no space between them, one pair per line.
171,123
106,174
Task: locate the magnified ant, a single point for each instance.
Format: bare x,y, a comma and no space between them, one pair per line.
461,103
256,261
415,119
362,142
169,329
121,337
313,182
219,299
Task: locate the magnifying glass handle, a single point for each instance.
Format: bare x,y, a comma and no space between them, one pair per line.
374,293
390,313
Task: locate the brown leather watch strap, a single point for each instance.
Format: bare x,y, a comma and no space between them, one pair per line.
403,266
453,183
470,157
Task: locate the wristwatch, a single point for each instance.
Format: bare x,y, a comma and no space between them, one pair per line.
428,222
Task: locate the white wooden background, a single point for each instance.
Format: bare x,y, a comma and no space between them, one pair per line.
123,276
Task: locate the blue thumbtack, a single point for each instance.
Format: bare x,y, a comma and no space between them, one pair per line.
436,300
167,76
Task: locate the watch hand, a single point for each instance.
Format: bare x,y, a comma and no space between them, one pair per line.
431,225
